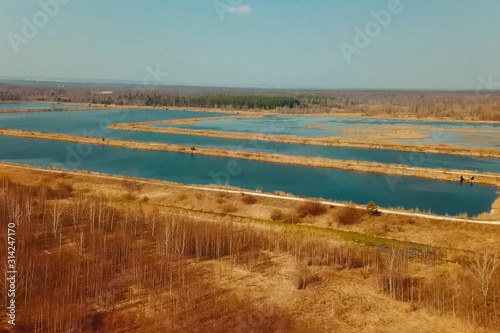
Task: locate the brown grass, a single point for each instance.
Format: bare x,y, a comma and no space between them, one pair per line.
177,199
229,208
347,215
292,218
248,199
277,215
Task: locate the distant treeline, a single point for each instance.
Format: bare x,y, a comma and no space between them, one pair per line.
226,98
214,101
480,105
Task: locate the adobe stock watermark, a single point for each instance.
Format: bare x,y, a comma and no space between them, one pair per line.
11,273
31,26
415,160
156,75
75,155
233,167
486,87
364,37
230,6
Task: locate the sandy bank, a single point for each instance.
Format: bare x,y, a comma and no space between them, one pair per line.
411,132
194,121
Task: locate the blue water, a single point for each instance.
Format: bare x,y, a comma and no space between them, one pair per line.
95,123
427,195
38,106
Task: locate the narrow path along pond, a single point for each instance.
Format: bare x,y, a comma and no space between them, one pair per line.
407,192
95,123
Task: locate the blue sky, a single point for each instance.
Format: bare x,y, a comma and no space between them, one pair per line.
428,44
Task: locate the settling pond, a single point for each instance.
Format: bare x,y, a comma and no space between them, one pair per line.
95,123
387,191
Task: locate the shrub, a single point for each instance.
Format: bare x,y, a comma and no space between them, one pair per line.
221,198
348,215
277,215
372,208
129,197
229,208
291,218
248,199
407,220
311,208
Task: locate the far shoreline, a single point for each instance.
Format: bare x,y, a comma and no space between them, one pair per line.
335,113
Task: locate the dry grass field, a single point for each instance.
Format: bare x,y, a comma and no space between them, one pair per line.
98,254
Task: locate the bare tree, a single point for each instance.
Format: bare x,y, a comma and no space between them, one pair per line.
482,268
302,274
56,215
78,209
80,243
390,264
168,232
16,213
153,219
29,206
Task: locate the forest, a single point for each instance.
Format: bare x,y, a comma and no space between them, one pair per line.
216,101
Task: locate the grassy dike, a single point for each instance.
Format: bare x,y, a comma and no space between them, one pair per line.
218,204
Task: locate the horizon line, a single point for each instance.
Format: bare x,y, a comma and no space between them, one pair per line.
242,86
